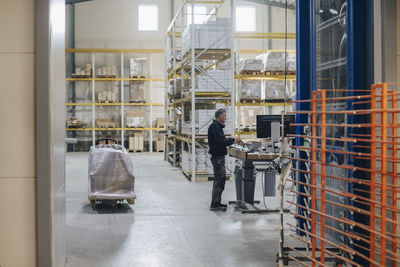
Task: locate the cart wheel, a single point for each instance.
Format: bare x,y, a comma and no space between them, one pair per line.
131,201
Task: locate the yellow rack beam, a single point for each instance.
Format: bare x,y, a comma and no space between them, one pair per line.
115,79
271,104
114,104
114,129
113,50
265,77
79,129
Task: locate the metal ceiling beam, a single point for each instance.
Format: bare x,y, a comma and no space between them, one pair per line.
71,2
274,3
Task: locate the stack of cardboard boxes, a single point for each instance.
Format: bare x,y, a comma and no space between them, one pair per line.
107,97
83,73
135,119
136,142
107,72
215,81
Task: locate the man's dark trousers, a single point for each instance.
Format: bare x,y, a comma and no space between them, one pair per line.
218,163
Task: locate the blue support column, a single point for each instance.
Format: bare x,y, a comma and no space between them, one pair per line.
302,85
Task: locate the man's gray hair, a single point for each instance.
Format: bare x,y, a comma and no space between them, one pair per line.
219,112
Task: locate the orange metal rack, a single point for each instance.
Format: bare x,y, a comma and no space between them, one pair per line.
379,201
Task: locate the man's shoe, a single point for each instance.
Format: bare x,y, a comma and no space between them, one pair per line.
217,208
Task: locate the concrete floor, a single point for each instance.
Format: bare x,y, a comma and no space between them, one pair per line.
170,224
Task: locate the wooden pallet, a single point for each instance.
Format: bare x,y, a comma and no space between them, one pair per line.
106,101
279,73
81,76
137,101
137,77
135,150
251,72
106,76
243,100
278,100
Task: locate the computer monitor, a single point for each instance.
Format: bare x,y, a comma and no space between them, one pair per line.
264,125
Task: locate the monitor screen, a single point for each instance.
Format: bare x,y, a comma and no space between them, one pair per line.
264,124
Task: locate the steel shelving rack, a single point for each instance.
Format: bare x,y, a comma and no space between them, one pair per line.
188,67
121,103
185,67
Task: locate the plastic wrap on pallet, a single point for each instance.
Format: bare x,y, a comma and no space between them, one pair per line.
273,61
250,65
215,81
212,35
111,174
250,89
275,89
225,65
135,118
138,66
291,62
136,92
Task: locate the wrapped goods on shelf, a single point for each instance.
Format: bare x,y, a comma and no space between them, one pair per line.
109,71
291,62
138,67
136,91
225,65
107,123
215,81
75,122
203,161
107,97
212,35
203,119
250,65
275,89
135,119
160,122
86,72
273,61
250,90
248,117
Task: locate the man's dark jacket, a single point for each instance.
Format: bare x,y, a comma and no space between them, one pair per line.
216,139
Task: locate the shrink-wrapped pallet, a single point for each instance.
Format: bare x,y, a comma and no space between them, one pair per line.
136,91
250,90
138,67
273,61
250,65
111,175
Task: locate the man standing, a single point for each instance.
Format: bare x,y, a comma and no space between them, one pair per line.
218,143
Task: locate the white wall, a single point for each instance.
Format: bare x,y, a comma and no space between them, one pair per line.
114,24
17,135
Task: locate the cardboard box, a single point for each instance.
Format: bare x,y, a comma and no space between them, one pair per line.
135,118
104,71
138,141
159,145
114,70
160,123
78,71
100,71
114,97
108,69
131,143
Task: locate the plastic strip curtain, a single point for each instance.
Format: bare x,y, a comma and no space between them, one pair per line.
375,240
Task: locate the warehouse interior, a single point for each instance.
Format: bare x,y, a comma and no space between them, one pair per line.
109,156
